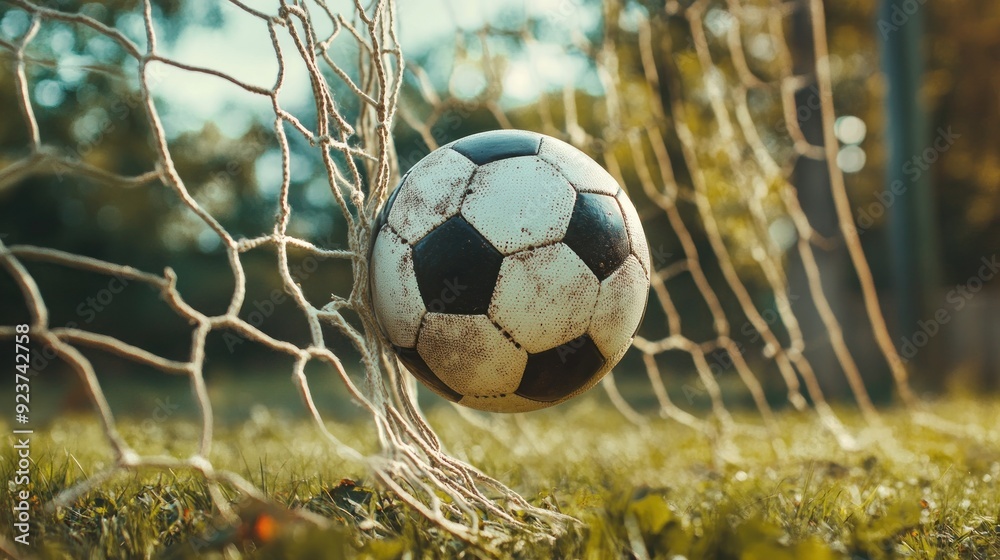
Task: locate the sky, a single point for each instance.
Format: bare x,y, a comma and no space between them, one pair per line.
240,47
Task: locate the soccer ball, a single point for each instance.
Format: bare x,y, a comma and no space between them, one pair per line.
509,271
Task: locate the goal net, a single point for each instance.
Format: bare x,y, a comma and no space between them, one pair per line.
700,109
718,118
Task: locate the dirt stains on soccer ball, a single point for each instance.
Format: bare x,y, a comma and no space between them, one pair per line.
508,271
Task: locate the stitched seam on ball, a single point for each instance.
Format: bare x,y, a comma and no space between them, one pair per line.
420,330
576,187
504,332
466,188
396,233
557,170
628,235
539,246
590,322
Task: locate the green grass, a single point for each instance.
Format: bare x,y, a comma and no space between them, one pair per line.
910,492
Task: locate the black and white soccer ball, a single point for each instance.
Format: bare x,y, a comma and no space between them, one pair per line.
509,271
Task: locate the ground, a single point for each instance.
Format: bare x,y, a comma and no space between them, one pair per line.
657,491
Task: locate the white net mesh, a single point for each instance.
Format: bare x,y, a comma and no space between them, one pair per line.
360,167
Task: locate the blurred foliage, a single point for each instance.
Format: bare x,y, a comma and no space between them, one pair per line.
963,42
89,109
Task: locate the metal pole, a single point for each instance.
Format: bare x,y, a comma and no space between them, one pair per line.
908,196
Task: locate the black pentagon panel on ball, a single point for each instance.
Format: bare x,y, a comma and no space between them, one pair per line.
557,372
485,147
419,368
597,233
456,268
